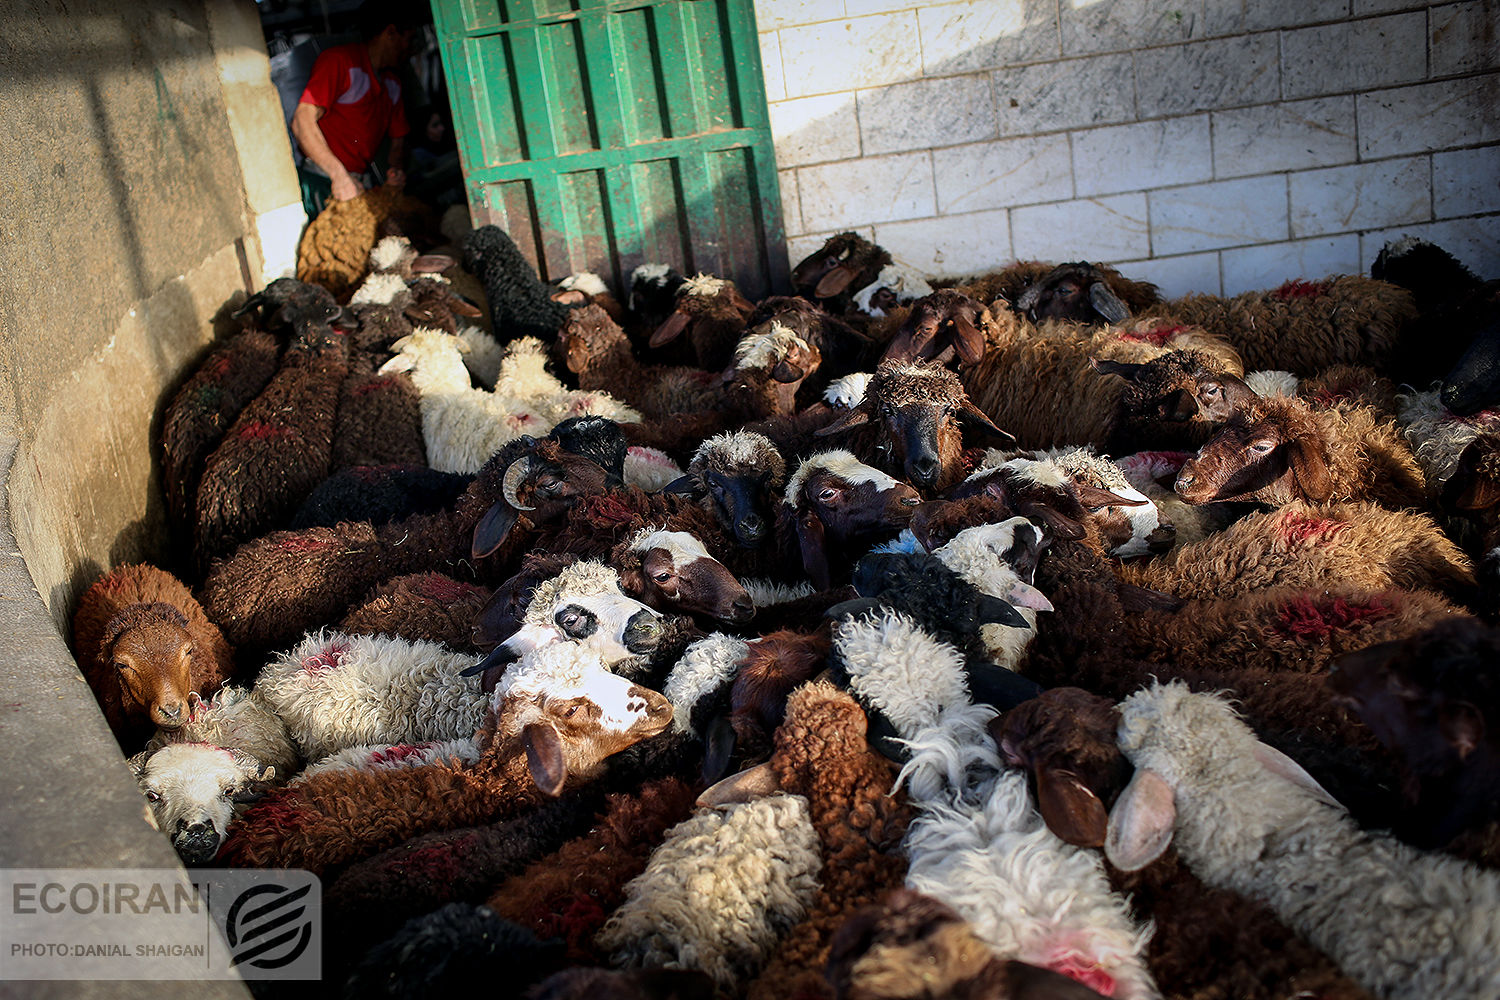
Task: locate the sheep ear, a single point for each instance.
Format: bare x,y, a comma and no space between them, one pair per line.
1028,298
1462,725
138,764
670,330
1310,469
490,532
1093,497
850,418
1070,808
810,538
544,758
753,783
1106,303
741,304
835,282
1124,369
1140,824
994,611
1282,766
969,341
687,485
718,748
973,415
432,263
786,372
1024,595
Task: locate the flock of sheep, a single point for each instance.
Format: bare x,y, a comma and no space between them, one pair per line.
675,645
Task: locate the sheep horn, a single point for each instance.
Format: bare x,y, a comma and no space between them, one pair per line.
753,783
515,475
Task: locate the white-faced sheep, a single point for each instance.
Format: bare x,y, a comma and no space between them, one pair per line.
193,789
554,720
143,643
1246,818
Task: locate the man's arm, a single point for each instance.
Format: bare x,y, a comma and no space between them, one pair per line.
315,147
396,163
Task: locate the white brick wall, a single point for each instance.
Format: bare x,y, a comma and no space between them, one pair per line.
1206,145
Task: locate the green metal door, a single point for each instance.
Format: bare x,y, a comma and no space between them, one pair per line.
604,134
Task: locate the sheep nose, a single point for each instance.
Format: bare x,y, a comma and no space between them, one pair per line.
751,529
1161,538
925,469
744,607
643,632
1184,480
196,844
169,715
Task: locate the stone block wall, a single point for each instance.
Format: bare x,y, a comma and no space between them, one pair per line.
1207,145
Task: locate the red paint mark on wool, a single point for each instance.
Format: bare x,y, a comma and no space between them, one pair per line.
397,753
219,367
374,385
259,430
438,862
1300,290
1312,620
330,657
576,922
1156,336
301,544
1295,528
437,587
969,459
607,510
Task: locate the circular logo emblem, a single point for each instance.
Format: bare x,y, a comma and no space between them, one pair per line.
267,927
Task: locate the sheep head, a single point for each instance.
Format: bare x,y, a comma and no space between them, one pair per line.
538,478
581,604
193,789
738,476
838,501
567,714
1076,291
895,285
844,261
1043,492
1474,382
672,571
698,296
1178,387
1065,739
589,339
1275,453
941,326
919,407
1433,701
152,653
770,365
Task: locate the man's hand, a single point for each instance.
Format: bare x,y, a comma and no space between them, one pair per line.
346,187
395,177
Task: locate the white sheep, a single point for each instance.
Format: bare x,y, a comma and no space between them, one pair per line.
193,789
1437,437
978,842
392,756
1405,924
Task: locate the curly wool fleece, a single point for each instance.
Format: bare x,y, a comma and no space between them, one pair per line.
720,891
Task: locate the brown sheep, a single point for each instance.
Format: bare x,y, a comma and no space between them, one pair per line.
822,755
335,249
845,263
1307,546
1282,450
1083,293
143,644
1014,282
426,607
570,892
943,327
1303,327
713,313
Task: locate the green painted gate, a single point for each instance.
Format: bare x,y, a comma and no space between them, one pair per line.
603,134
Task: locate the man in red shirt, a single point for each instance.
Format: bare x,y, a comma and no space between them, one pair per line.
353,100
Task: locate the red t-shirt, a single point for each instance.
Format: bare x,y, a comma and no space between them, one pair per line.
358,110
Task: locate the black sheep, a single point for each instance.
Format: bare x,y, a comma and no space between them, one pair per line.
379,494
520,305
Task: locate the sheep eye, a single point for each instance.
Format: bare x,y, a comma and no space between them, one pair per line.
1262,447
569,621
572,711
121,665
1210,390
827,494
152,796
551,487
662,577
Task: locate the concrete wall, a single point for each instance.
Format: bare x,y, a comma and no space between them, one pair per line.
130,131
1207,145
